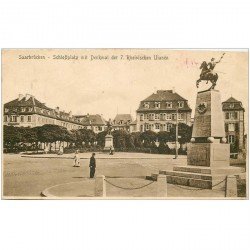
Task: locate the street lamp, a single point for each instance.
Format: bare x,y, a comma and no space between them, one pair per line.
176,136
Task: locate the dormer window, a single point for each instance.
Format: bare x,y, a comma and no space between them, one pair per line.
6,110
180,104
169,104
146,105
231,105
157,105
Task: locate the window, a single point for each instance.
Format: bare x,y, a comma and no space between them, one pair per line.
141,128
181,104
100,128
151,117
157,116
29,118
174,116
180,116
157,105
6,110
13,118
147,116
146,105
5,118
23,109
169,126
22,118
169,104
141,117
27,109
231,127
231,138
231,115
157,126
147,127
169,117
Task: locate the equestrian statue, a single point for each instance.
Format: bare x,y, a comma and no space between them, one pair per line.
208,73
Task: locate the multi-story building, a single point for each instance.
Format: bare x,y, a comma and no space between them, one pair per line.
94,122
27,111
158,111
122,122
234,121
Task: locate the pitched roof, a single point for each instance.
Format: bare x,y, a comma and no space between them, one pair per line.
123,117
232,104
231,99
163,95
31,101
88,120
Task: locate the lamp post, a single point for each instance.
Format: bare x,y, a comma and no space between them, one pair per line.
176,136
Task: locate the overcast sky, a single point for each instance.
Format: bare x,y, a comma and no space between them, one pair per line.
107,86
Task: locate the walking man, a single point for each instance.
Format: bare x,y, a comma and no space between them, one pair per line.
92,166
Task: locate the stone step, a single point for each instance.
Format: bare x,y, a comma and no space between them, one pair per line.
190,182
193,169
187,175
152,177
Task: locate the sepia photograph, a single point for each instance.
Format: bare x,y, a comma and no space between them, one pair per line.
125,123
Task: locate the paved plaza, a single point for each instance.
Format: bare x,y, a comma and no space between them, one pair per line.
29,176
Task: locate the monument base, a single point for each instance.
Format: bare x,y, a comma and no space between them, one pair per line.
198,176
214,155
108,143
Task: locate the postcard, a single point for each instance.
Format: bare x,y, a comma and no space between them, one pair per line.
124,124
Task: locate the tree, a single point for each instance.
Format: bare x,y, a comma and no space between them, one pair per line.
101,138
163,136
119,138
184,131
11,136
85,135
149,137
135,137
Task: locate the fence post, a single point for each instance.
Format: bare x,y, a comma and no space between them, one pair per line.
231,186
100,186
161,185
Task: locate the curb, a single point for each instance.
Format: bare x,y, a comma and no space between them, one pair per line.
46,193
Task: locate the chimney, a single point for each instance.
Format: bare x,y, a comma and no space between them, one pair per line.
27,97
20,97
70,113
57,109
173,90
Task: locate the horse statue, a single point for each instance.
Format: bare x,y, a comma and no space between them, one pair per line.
207,75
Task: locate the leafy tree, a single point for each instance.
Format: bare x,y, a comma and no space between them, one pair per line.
119,138
135,137
163,136
149,137
101,138
184,131
11,136
85,135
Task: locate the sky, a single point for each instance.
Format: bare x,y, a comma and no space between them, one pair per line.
108,86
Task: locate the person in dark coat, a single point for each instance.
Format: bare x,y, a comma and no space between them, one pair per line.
92,165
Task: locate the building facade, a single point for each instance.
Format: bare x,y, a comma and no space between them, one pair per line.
159,111
27,111
122,122
234,122
94,122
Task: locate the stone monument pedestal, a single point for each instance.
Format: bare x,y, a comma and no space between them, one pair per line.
208,154
108,143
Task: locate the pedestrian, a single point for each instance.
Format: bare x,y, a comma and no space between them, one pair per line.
76,159
92,166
